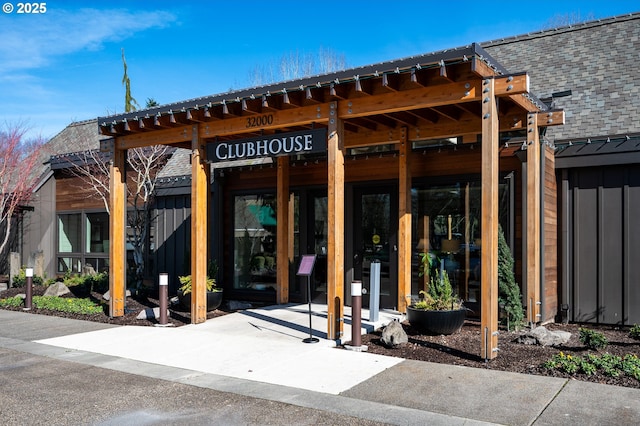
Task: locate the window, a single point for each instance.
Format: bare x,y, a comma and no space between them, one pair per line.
97,235
69,233
255,242
83,242
446,223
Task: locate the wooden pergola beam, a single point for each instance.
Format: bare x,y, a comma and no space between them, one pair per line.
489,224
551,118
335,227
404,222
426,97
117,227
199,230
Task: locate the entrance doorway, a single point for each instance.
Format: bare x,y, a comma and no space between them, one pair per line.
375,239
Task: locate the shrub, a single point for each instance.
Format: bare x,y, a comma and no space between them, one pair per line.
94,282
55,303
508,289
593,339
67,304
610,365
20,280
634,333
11,302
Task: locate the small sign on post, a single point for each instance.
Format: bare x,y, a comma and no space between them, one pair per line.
304,270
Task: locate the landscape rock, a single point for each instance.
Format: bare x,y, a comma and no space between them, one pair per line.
57,289
393,335
4,286
107,296
544,337
150,313
234,305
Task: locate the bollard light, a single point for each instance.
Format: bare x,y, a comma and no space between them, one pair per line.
163,296
164,279
356,318
28,272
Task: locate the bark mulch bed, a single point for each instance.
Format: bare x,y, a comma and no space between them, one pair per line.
462,348
133,306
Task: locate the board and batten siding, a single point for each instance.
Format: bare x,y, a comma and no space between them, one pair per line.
603,236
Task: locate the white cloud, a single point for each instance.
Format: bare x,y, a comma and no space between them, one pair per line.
62,32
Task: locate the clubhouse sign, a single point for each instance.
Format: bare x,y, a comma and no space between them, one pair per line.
293,143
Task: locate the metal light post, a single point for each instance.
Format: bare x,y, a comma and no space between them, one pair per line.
29,283
163,291
356,319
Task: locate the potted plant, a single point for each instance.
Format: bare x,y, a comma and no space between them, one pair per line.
439,310
214,293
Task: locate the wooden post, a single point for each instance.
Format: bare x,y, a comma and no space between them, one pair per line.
335,224
532,225
282,237
489,223
404,225
117,230
199,233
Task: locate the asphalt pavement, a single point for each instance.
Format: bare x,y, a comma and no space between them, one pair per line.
252,367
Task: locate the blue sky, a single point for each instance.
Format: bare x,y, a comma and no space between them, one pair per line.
65,65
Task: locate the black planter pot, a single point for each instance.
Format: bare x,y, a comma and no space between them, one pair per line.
437,322
214,300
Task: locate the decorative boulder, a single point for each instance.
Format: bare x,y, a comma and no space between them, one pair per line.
393,335
57,289
150,313
107,295
543,337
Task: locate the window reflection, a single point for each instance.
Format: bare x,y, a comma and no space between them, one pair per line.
446,224
255,242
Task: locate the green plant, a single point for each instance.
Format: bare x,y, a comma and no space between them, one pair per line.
67,304
54,303
20,280
439,295
634,333
11,302
185,282
610,365
593,339
508,289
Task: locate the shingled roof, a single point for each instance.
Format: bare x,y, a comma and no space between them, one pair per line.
597,61
586,69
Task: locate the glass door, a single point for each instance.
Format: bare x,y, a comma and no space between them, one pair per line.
319,232
375,227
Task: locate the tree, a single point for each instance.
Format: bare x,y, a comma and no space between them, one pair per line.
567,19
295,65
19,161
508,290
143,165
130,104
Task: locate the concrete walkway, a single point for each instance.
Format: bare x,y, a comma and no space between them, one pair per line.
260,353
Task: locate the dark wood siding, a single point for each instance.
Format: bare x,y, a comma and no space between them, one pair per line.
604,235
173,237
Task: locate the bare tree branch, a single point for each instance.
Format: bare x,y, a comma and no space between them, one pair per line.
92,168
295,65
19,161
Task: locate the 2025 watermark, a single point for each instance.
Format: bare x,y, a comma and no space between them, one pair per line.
24,8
